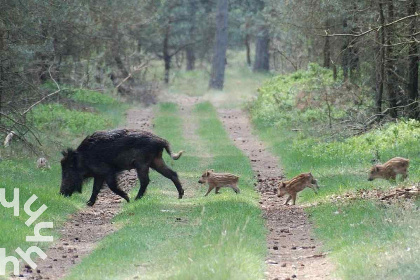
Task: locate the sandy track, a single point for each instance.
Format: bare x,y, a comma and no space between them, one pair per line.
293,252
82,231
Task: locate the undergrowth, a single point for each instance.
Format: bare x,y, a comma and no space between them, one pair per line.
366,239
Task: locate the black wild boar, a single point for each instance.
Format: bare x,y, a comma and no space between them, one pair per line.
105,153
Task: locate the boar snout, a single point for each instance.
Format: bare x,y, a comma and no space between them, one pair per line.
370,179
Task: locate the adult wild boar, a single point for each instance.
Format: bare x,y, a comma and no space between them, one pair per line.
105,153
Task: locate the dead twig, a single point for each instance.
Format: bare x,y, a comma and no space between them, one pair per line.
142,66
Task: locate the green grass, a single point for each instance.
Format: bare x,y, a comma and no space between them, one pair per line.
369,240
215,237
58,127
366,239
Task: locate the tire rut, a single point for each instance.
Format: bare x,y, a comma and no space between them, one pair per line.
293,253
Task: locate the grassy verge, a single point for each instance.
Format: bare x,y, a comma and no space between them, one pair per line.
366,239
215,237
59,126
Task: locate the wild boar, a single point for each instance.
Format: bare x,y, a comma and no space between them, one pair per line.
297,184
390,169
105,153
219,180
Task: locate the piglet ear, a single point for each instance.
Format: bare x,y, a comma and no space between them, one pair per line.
207,173
376,168
211,170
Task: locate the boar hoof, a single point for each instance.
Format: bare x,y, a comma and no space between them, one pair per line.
90,203
181,194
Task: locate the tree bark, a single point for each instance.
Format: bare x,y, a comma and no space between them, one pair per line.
413,68
220,47
391,83
327,47
381,63
262,56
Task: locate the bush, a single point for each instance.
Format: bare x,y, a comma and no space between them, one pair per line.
304,96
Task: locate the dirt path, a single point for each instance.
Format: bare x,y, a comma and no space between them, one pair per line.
293,253
81,233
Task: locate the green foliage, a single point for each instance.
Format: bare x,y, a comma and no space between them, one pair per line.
305,96
92,97
57,117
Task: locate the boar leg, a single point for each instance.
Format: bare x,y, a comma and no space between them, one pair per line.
160,166
143,174
288,199
97,185
211,187
405,175
217,190
294,198
111,181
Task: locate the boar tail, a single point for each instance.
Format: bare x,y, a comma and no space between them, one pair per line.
173,156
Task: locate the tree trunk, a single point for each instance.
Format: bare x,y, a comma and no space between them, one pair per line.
190,49
248,50
166,55
190,54
220,47
381,63
345,53
262,56
391,82
354,50
327,47
413,68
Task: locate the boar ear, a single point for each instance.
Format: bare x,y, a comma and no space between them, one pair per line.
207,173
64,153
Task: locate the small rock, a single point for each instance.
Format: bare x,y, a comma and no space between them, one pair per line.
275,247
294,276
283,265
